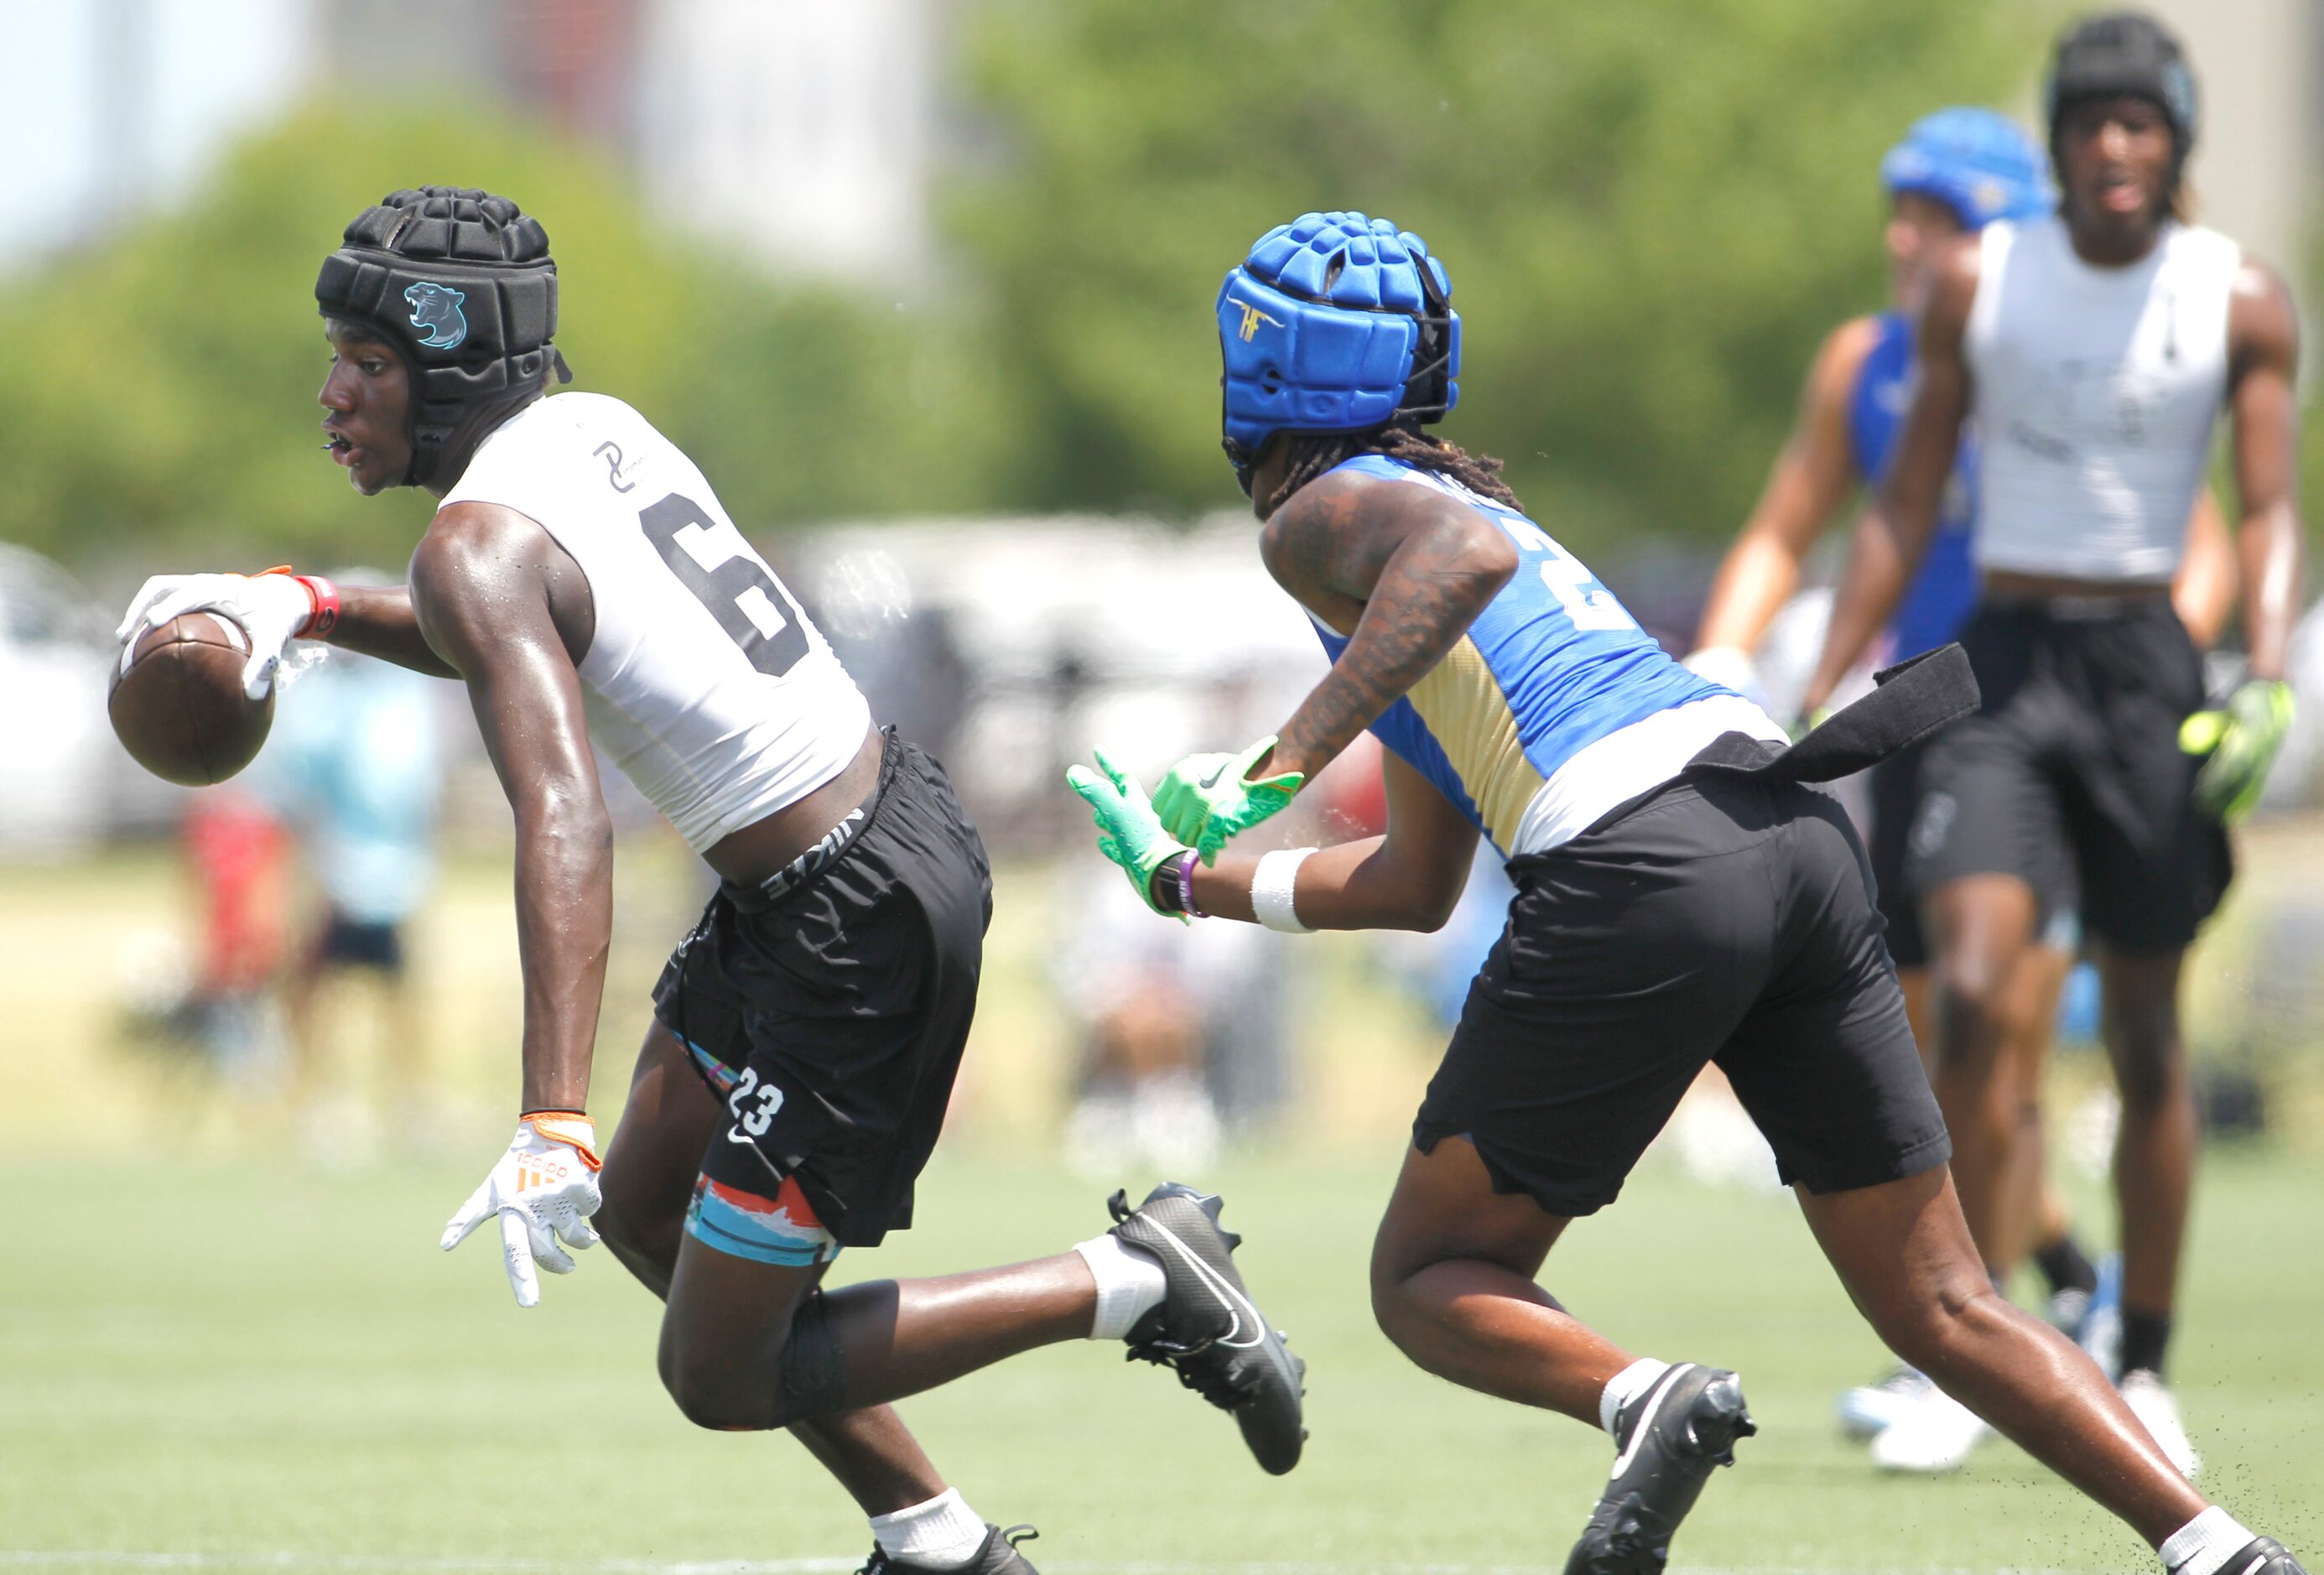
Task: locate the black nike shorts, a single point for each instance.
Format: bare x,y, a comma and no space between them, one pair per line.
830,1019
1896,795
1719,919
2072,761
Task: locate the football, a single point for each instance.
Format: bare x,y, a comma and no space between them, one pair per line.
177,702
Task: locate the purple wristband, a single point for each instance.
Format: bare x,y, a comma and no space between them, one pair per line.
1186,885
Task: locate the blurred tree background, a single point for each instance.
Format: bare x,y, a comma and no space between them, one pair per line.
1650,212
162,395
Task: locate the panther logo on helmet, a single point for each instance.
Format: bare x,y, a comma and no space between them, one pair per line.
436,311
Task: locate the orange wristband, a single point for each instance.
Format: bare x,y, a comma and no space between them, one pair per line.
573,1129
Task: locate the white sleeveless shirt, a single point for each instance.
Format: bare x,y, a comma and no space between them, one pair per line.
2094,394
704,682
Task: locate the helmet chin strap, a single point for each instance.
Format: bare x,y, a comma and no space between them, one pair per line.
478,422
430,445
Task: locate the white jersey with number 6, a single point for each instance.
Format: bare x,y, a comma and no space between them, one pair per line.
704,682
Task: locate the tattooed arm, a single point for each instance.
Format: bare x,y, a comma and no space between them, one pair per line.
1403,566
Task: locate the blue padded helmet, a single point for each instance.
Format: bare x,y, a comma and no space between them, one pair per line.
1335,322
1980,165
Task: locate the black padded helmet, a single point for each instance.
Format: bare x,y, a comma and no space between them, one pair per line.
460,281
2124,53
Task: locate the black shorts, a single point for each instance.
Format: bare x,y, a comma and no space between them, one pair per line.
1896,795
830,1020
1719,920
2072,762
352,942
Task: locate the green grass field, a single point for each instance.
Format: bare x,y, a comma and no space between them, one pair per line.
234,1364
216,1357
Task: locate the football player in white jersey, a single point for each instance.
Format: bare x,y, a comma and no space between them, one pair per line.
581,580
2093,353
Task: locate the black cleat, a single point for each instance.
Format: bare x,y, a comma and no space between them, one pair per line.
1671,1437
2261,1556
998,1556
1207,1328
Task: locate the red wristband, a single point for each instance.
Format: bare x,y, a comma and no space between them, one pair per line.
326,598
322,602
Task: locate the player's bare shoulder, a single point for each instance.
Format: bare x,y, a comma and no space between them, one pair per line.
1307,543
1328,542
2262,320
1954,279
1844,352
479,560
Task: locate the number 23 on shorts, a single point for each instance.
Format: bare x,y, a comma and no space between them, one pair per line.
754,1104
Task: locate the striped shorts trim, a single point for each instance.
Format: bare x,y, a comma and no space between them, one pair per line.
781,1230
722,1076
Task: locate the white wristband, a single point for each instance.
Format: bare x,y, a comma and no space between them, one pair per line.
1271,886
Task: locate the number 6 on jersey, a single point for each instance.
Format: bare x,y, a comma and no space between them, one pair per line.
712,561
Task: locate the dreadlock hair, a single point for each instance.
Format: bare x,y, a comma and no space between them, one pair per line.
1313,453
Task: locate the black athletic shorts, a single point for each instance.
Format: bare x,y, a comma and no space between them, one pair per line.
1720,918
354,943
830,1019
2073,763
1896,795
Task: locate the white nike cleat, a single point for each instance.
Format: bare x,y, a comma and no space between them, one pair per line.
1869,1410
2150,1401
1938,1433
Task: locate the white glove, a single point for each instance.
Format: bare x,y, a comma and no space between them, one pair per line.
271,608
544,1189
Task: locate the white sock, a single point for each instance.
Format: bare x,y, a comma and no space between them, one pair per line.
944,1534
1129,1285
1626,1386
2204,1544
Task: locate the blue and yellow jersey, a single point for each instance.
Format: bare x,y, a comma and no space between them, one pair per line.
1550,665
1943,590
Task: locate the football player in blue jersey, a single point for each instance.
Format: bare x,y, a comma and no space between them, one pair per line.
1683,896
1955,171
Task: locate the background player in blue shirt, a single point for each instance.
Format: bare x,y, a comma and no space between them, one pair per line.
1681,898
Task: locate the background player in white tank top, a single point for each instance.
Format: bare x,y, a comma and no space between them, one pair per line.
2093,353
1956,172
583,580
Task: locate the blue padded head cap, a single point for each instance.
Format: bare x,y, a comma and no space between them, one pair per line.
1334,322
1977,162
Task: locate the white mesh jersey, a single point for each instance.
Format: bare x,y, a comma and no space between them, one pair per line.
2095,392
704,681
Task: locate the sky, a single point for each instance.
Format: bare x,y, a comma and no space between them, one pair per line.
197,72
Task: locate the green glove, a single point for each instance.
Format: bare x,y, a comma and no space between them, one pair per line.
2241,741
1204,799
1128,831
